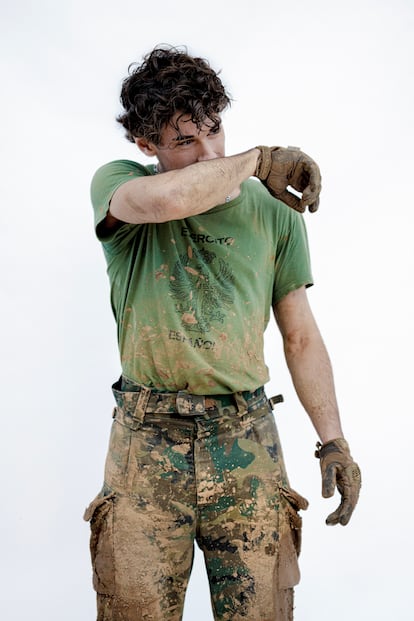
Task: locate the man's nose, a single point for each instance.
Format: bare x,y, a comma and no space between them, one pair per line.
205,152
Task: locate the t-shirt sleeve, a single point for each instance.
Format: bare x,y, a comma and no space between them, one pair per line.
292,261
107,179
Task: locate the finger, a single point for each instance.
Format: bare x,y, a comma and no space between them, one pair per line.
291,200
311,167
345,517
312,204
314,207
344,510
333,518
343,513
310,198
329,481
347,506
351,495
346,513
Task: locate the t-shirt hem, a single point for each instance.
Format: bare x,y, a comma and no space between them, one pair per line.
289,288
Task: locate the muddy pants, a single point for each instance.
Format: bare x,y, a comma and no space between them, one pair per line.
182,468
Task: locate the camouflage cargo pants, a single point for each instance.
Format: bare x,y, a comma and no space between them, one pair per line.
182,468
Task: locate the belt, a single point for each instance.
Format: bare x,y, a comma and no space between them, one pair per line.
135,400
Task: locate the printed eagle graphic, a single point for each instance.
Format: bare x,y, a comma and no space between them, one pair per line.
202,286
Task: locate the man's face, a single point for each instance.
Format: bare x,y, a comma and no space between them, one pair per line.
187,146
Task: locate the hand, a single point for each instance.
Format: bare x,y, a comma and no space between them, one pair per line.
279,168
339,470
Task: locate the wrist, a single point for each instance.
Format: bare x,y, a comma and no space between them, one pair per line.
258,157
331,437
331,446
253,161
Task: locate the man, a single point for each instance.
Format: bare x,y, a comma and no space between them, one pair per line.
198,253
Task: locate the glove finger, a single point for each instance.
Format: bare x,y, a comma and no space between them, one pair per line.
329,481
346,507
343,513
291,200
334,518
306,173
314,207
310,199
350,499
312,169
312,191
344,510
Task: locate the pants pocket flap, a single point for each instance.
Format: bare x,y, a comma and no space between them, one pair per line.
297,501
94,505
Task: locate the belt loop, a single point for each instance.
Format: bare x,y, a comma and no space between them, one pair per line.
126,419
241,404
142,402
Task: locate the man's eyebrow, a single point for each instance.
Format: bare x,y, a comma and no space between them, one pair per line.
189,136
182,137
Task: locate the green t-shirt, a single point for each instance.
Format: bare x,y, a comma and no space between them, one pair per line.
192,297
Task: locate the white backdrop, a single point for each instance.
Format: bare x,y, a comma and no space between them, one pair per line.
334,78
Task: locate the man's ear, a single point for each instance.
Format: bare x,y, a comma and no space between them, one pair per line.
148,148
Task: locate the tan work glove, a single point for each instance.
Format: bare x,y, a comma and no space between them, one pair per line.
339,470
278,168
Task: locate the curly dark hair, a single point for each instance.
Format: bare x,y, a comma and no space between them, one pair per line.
169,81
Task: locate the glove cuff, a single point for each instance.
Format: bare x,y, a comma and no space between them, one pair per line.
264,162
340,445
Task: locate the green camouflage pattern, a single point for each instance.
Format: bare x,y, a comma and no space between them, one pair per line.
217,478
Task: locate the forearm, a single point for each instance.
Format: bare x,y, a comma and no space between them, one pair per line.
183,192
312,377
201,186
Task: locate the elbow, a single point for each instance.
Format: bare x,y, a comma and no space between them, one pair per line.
296,343
141,203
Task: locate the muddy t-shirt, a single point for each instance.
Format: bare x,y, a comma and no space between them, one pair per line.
192,297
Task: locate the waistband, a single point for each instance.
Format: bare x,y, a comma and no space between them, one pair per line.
135,400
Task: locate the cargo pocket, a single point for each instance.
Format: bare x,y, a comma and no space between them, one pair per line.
290,536
100,515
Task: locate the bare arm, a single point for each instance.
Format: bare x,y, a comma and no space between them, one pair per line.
309,363
182,192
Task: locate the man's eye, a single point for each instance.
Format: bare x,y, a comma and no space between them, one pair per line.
184,143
